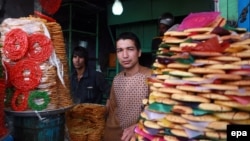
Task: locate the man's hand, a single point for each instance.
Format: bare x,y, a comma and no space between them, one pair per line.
128,133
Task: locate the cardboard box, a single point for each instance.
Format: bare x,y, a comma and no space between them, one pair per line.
112,59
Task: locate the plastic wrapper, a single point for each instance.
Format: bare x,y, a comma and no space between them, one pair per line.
196,20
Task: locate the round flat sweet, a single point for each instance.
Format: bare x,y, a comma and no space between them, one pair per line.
205,53
214,96
165,76
173,40
152,124
196,128
176,33
223,76
166,101
193,88
235,115
199,30
239,83
181,73
189,98
225,58
224,66
243,54
175,119
216,135
179,132
180,109
214,107
199,70
218,125
206,62
158,94
220,87
167,124
170,138
185,44
171,90
242,92
242,122
202,36
207,118
234,104
242,62
178,66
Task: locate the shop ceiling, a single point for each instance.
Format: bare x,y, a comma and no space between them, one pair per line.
91,4
83,14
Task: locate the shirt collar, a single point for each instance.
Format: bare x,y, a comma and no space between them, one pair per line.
85,74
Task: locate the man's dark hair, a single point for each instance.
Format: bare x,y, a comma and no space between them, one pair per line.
81,52
131,36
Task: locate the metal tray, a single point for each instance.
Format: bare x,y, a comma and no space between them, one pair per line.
37,113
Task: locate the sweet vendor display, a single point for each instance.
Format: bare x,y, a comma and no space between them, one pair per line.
35,64
200,82
86,122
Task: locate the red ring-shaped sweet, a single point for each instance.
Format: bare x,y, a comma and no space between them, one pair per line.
15,44
21,106
39,14
40,47
50,6
26,75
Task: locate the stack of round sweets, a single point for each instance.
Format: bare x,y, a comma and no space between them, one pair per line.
63,89
86,122
200,84
34,58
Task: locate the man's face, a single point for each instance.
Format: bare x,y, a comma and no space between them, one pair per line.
78,62
127,53
162,29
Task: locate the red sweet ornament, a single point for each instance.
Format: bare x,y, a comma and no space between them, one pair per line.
21,105
15,44
26,75
40,47
39,14
50,6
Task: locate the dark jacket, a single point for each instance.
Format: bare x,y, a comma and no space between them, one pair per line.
91,88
